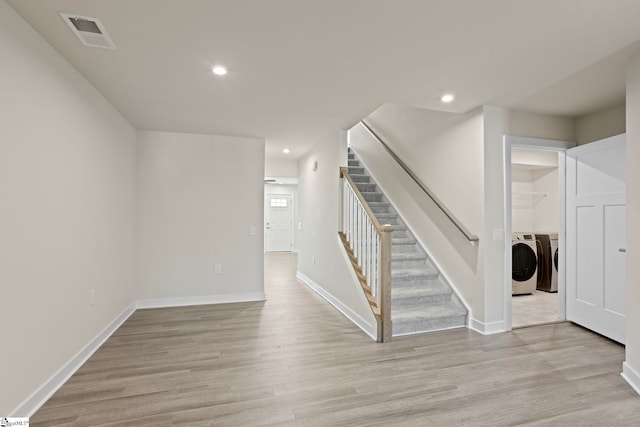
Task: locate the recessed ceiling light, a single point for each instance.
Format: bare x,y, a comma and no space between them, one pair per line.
219,70
286,151
447,98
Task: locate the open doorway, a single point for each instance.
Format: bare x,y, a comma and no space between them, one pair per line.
534,225
534,181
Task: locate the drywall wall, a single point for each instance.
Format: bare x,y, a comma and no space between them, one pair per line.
632,362
534,199
293,191
522,201
280,167
546,209
321,256
198,197
67,161
522,123
600,125
445,151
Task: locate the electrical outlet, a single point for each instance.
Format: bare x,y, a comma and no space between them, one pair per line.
252,230
498,234
218,268
92,297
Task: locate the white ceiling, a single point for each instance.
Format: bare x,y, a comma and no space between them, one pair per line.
301,69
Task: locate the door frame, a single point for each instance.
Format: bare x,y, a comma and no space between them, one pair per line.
510,141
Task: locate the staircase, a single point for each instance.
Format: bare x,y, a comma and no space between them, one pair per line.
421,299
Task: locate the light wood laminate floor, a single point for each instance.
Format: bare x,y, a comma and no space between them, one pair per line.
295,361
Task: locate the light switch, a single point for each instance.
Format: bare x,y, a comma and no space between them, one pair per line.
252,230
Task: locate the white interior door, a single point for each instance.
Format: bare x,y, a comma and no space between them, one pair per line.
279,223
596,205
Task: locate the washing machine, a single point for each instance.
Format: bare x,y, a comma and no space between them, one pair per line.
524,263
553,239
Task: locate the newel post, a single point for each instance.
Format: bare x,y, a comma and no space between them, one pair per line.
385,331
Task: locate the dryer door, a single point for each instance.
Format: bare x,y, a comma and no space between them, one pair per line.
524,262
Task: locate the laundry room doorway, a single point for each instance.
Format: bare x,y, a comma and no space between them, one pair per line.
534,189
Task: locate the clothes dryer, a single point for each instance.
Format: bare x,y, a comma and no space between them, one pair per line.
553,239
545,259
524,263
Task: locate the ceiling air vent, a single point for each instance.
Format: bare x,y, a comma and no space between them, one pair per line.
90,31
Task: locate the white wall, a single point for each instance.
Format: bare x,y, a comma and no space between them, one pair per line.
535,206
632,363
522,123
290,190
445,151
546,211
67,161
600,125
321,256
198,196
280,167
522,201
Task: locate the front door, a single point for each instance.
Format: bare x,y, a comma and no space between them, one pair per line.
596,205
279,223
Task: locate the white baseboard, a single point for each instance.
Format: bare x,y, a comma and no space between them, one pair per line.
46,390
488,328
202,300
361,323
631,376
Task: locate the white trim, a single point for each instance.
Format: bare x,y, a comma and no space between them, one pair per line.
39,397
202,300
631,376
487,328
361,323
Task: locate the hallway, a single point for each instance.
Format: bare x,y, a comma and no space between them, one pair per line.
294,360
